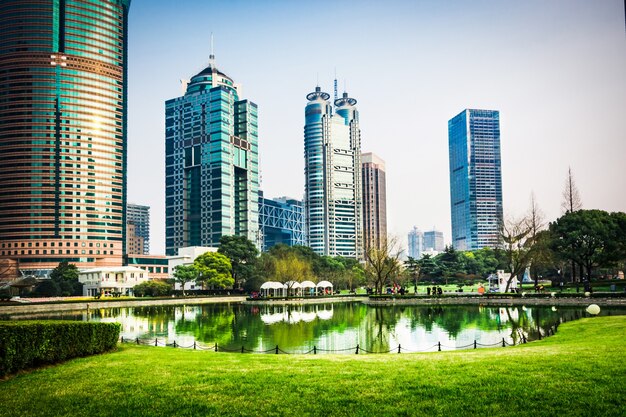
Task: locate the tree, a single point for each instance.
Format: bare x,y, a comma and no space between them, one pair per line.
382,264
65,278
291,268
152,289
47,288
242,255
515,235
571,203
214,270
414,269
184,274
587,237
536,223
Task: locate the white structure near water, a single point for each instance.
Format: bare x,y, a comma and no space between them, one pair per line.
107,281
295,289
502,279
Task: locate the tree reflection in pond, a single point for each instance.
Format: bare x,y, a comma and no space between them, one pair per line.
334,327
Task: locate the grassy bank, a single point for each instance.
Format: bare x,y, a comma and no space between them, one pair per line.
579,371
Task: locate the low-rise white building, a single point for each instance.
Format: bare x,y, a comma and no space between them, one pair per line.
110,280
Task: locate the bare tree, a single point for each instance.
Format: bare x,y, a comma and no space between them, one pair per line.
517,242
571,196
382,264
571,203
536,223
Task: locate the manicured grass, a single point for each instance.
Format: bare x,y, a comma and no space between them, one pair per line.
579,371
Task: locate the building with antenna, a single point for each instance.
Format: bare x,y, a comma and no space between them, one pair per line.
211,163
332,153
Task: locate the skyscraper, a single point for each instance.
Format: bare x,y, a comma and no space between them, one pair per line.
211,163
332,155
433,240
63,92
281,220
138,217
416,243
475,179
374,201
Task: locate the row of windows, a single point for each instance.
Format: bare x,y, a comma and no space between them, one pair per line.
52,244
52,252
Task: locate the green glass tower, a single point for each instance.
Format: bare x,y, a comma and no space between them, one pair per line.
211,163
63,66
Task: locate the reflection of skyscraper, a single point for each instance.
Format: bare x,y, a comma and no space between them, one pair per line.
211,163
63,82
416,243
433,240
475,179
332,152
374,200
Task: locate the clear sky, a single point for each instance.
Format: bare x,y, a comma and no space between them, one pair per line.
556,71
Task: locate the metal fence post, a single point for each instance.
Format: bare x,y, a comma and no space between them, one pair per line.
194,345
357,349
315,350
137,340
242,349
399,347
503,344
474,344
174,343
156,341
439,345
277,349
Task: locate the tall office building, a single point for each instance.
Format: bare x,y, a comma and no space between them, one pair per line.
211,163
374,201
475,179
138,217
63,66
332,155
281,220
433,241
416,243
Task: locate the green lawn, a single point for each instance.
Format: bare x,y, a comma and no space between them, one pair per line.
580,371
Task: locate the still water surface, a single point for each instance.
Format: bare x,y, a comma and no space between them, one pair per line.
335,327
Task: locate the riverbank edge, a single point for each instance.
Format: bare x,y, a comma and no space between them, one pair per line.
77,306
500,301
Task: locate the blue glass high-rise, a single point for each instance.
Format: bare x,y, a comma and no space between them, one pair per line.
475,179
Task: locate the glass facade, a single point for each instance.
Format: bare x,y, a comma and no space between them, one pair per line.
211,163
281,220
416,243
63,66
138,217
433,240
475,179
374,201
332,153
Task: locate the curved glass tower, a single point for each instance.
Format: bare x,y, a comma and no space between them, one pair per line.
211,163
63,78
332,154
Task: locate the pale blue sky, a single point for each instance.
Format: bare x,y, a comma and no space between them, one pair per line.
556,71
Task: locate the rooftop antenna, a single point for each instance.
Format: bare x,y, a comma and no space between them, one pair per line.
212,56
317,83
336,95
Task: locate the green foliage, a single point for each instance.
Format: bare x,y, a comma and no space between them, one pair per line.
26,344
184,274
63,282
214,270
152,289
592,238
242,255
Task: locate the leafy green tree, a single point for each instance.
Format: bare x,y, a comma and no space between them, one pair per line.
65,275
184,274
214,270
382,264
47,288
413,267
588,237
428,266
242,255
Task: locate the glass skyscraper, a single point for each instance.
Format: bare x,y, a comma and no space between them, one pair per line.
281,220
63,66
475,179
138,217
332,154
211,163
416,243
433,240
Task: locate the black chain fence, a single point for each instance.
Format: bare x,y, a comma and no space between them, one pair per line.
521,339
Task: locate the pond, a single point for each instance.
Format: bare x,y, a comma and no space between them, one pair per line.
337,327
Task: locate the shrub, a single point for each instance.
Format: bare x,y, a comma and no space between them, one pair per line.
152,289
27,344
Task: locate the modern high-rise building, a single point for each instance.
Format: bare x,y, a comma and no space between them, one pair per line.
416,243
332,155
211,163
281,220
475,179
433,241
63,78
374,201
138,217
